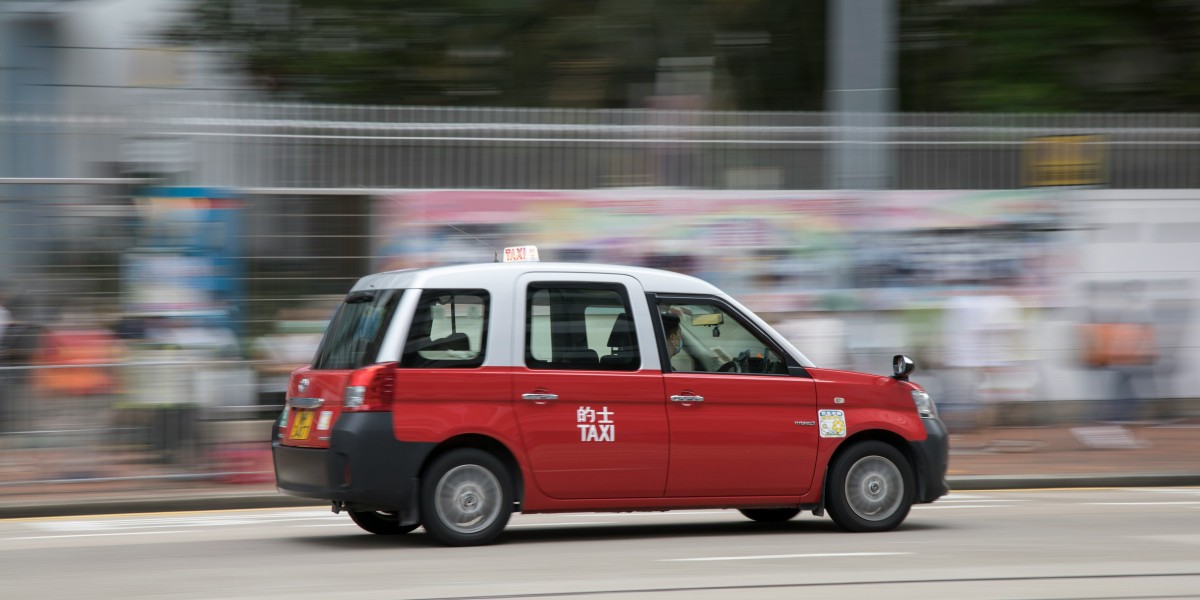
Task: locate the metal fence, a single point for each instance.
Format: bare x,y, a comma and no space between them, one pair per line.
153,418
349,147
307,173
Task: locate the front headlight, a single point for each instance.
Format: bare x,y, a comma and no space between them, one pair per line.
925,406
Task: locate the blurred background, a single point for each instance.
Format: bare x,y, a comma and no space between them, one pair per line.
1006,190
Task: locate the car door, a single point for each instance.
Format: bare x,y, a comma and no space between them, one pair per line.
742,413
589,396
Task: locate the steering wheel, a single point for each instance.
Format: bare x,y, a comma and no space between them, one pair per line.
738,364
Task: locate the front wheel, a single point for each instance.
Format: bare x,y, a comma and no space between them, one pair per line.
381,523
870,488
466,498
769,515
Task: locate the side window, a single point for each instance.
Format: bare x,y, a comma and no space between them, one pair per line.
705,336
579,326
448,330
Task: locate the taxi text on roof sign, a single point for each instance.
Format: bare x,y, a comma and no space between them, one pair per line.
521,254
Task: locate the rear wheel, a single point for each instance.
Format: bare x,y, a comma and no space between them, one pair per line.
770,515
870,488
380,522
466,498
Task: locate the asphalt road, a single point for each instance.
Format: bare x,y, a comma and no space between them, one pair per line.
1053,544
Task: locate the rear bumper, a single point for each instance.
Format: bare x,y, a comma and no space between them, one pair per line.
933,459
364,467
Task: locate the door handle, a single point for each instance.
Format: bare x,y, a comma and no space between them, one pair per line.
687,398
539,397
306,402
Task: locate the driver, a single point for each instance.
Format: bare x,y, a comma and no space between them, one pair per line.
680,360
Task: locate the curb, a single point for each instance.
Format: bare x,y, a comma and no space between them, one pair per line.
256,500
155,504
963,483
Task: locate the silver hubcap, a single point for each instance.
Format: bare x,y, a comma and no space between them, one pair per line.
468,499
874,488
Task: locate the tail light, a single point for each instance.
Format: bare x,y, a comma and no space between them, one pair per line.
371,389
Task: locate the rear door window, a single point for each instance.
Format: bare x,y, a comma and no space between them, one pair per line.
580,326
353,337
449,330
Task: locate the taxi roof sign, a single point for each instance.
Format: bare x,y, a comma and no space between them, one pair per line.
521,254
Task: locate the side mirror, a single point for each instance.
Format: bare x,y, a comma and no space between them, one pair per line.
902,366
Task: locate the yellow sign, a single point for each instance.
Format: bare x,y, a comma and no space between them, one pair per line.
1065,160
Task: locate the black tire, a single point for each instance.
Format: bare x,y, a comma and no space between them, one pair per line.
870,488
466,498
769,515
380,523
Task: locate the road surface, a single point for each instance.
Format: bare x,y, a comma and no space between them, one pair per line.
1044,544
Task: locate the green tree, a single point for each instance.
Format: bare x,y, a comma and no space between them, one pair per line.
954,55
1050,55
766,54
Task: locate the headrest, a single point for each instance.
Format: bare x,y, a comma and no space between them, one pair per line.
622,332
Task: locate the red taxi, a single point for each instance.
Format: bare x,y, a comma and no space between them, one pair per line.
451,397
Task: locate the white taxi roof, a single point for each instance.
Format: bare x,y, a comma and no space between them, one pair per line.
496,276
500,274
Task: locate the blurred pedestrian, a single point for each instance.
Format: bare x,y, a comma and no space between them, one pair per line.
1121,340
178,353
1120,345
74,388
982,341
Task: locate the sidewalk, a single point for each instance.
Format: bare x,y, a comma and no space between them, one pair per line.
240,476
1077,456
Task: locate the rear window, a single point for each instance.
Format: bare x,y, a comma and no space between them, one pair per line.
353,337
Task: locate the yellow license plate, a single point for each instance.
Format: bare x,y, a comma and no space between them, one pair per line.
301,425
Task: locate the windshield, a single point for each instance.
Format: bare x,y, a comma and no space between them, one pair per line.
353,337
